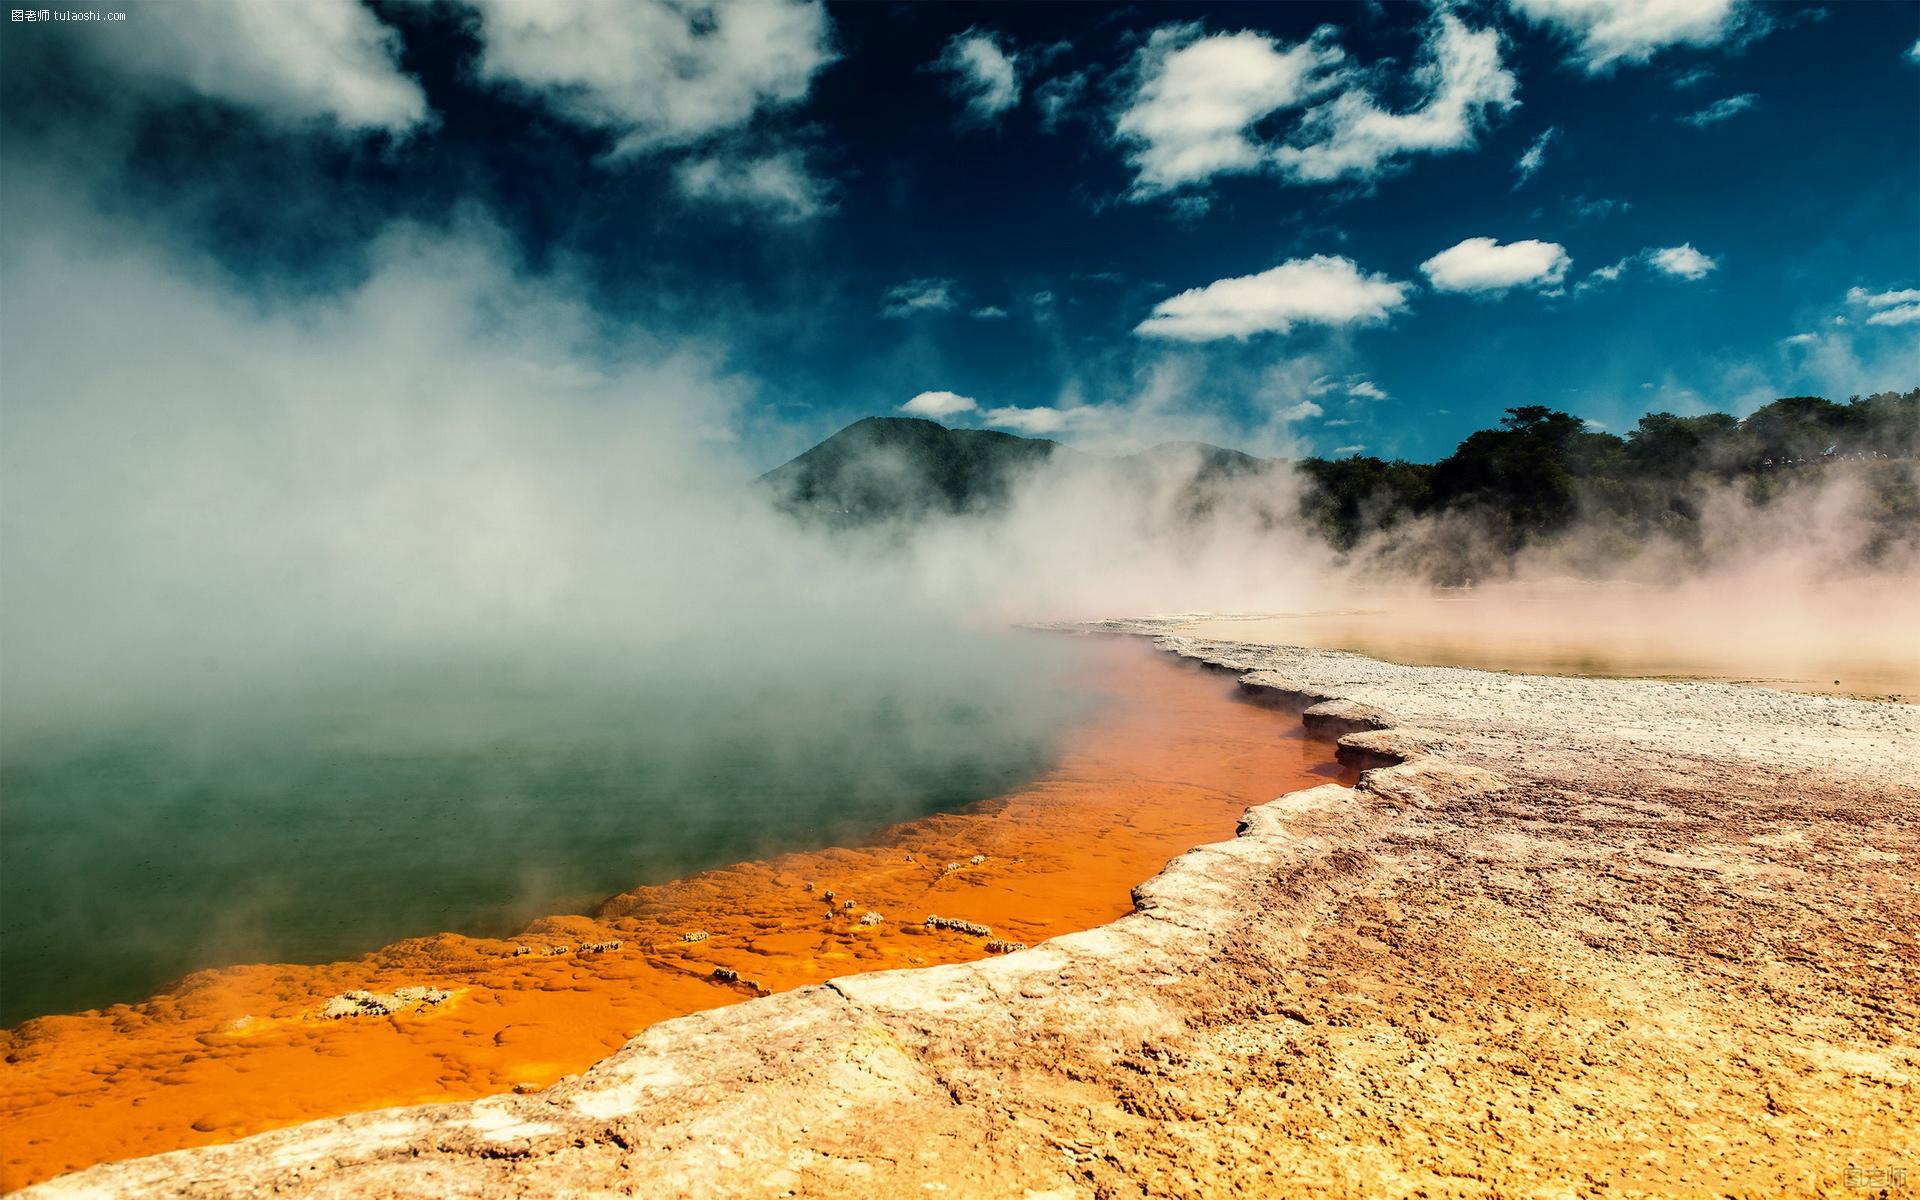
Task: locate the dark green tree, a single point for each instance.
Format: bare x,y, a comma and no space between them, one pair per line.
1521,475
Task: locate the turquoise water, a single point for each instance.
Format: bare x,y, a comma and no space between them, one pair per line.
315,825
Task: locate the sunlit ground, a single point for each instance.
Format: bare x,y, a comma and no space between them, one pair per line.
1859,638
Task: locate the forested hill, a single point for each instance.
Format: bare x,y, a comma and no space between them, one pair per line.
1541,468
888,468
1524,481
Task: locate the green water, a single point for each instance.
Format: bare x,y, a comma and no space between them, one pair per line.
315,825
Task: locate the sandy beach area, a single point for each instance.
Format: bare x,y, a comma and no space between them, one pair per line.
1565,937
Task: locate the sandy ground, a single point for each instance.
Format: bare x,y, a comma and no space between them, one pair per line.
1567,937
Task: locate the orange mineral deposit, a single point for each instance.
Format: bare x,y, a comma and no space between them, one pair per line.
1170,760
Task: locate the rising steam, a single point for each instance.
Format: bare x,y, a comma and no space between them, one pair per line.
203,491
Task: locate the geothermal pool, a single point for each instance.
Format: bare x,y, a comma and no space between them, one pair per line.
311,826
1122,760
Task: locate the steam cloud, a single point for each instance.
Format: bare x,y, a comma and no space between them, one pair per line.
201,489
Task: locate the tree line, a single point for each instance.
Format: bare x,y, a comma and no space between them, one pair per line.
1543,470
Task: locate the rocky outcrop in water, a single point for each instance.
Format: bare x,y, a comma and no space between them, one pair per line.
383,1004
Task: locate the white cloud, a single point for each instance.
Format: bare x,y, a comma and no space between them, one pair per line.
1860,295
1609,273
917,296
1905,314
1036,421
939,404
652,72
777,184
328,60
1198,97
1322,290
989,312
1058,96
1356,448
983,76
1720,110
1844,359
1357,387
1598,208
1462,80
1683,261
1483,265
1301,411
1913,53
1529,164
1608,32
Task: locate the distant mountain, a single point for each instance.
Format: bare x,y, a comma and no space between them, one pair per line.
888,468
885,468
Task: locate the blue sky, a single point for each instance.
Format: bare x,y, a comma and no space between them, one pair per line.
1295,228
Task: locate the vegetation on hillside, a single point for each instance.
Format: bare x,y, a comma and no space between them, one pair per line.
894,468
1542,471
1542,481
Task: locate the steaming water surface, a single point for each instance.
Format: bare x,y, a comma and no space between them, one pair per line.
313,825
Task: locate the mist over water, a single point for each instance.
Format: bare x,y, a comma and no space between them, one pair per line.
430,605
340,813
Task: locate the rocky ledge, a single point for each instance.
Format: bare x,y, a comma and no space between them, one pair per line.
1566,937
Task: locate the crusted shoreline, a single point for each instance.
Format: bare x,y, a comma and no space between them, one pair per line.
1565,935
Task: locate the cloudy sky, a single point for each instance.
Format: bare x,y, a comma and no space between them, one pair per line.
1296,228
